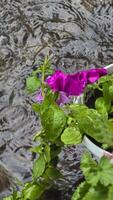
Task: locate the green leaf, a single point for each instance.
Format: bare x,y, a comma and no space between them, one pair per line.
96,194
104,79
70,121
107,78
53,173
32,84
106,171
53,121
37,149
101,106
87,192
80,192
38,167
111,91
78,108
32,192
94,124
71,135
36,107
8,198
110,193
37,135
92,86
89,168
97,173
106,95
47,153
49,101
14,196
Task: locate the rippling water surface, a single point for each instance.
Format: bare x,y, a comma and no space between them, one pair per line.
78,33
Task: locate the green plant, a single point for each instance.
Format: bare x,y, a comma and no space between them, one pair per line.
63,124
53,120
103,103
98,182
101,93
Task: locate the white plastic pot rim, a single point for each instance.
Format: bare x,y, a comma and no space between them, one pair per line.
95,150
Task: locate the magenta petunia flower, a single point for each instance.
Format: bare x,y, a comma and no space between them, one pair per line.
57,81
94,74
71,84
74,87
80,76
74,84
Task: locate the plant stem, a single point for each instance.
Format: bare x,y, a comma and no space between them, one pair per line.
44,67
43,77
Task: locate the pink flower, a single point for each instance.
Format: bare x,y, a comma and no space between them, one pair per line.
74,84
71,84
63,98
57,81
74,87
39,98
94,74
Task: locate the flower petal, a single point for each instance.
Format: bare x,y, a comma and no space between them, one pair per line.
57,81
39,98
74,88
63,98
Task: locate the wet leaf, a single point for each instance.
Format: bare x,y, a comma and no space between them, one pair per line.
110,193
32,192
36,107
101,106
96,193
106,95
53,173
32,84
38,167
37,135
47,153
97,173
81,191
71,135
53,121
95,125
111,91
37,149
